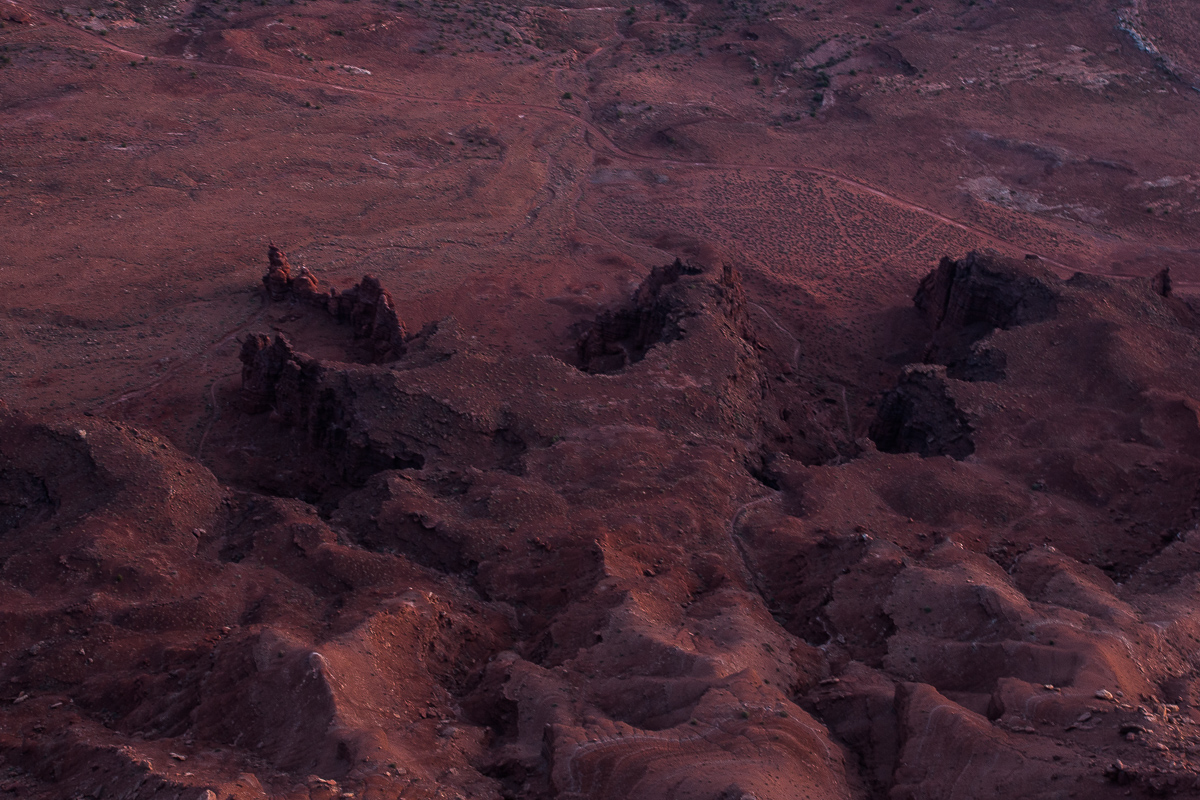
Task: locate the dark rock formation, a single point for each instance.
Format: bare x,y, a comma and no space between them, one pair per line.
921,416
1161,282
417,413
23,498
368,308
988,291
294,388
621,337
262,364
1183,311
965,300
278,280
655,315
969,298
985,311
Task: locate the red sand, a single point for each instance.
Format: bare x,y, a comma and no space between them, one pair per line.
543,512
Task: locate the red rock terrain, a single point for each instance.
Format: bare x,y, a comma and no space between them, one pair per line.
696,401
461,571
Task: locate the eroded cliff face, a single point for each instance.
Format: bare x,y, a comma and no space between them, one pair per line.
367,308
659,571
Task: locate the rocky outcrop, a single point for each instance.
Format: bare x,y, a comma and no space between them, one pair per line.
968,298
370,312
496,575
367,308
300,393
1160,283
23,499
278,280
262,364
654,315
964,300
621,337
11,12
921,416
985,291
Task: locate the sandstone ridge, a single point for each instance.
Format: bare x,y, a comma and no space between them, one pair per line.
508,577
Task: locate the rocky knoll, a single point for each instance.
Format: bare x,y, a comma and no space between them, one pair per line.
367,307
470,573
620,337
11,12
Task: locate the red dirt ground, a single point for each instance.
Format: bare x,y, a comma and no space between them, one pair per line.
749,524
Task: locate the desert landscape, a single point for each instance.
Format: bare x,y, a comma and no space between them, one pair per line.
722,400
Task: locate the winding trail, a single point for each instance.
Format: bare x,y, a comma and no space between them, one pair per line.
214,415
594,134
594,138
753,576
204,352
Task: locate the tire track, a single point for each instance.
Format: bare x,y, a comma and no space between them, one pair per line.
146,388
594,134
594,138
